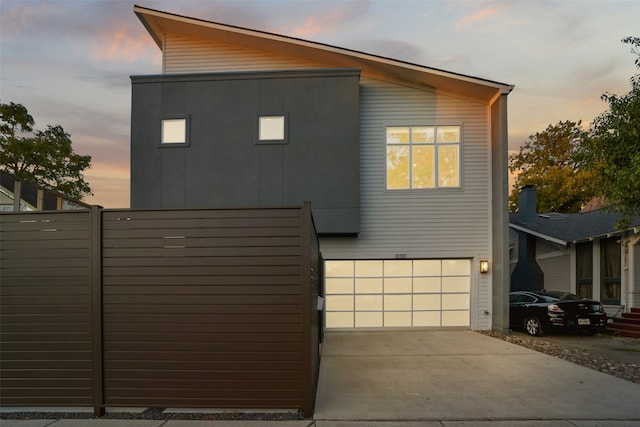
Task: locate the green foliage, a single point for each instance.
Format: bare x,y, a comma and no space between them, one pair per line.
613,151
548,161
44,157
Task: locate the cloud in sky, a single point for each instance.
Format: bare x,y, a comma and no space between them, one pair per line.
69,61
121,44
330,18
488,12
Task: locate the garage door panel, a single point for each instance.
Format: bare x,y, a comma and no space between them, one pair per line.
455,318
397,302
368,268
395,319
456,267
339,269
397,268
426,302
369,285
336,319
456,284
368,302
369,319
397,285
426,318
427,285
455,301
338,285
427,267
340,302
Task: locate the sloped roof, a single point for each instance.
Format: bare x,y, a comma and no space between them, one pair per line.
572,228
159,23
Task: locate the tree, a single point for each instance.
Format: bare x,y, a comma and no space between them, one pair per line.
548,161
44,157
613,149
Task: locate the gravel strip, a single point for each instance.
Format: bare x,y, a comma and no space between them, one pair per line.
626,371
157,414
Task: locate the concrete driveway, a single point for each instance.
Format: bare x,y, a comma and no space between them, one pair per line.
460,375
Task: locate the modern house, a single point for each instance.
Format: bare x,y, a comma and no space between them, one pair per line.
582,253
405,166
18,195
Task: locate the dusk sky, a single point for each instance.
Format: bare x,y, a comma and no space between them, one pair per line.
69,61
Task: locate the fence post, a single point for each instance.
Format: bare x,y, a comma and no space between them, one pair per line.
96,309
307,384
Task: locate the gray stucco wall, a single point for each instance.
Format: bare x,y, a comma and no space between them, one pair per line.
224,165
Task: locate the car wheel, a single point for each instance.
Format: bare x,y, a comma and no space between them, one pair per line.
533,327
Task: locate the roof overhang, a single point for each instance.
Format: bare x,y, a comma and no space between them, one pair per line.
634,231
159,23
538,234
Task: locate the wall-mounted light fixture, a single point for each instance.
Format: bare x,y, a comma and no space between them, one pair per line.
484,266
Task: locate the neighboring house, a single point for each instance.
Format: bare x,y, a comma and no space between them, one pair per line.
582,253
405,166
32,197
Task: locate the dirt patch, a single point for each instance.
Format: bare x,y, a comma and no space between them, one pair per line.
610,354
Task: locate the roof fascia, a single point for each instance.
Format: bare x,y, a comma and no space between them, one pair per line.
540,235
153,30
602,236
158,22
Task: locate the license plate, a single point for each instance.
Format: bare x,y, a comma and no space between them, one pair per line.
584,322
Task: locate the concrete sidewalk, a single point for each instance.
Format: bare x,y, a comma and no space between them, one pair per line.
312,423
438,378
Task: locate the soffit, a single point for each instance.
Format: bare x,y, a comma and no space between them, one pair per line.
159,23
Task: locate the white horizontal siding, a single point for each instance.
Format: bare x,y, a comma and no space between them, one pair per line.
419,223
182,54
439,223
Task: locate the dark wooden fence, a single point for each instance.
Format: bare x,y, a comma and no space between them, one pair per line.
170,308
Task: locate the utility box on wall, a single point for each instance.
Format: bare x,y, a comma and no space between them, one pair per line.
249,139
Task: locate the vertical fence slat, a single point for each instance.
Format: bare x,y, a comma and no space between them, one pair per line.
307,404
96,310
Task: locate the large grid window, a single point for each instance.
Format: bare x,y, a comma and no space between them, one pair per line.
610,270
584,269
423,157
397,293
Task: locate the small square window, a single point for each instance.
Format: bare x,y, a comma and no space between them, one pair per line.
174,131
271,128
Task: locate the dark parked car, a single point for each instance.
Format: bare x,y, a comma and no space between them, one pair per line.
540,312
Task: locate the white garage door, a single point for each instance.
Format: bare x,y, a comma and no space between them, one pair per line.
397,293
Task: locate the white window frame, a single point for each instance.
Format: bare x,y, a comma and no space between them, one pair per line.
436,145
174,142
273,136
